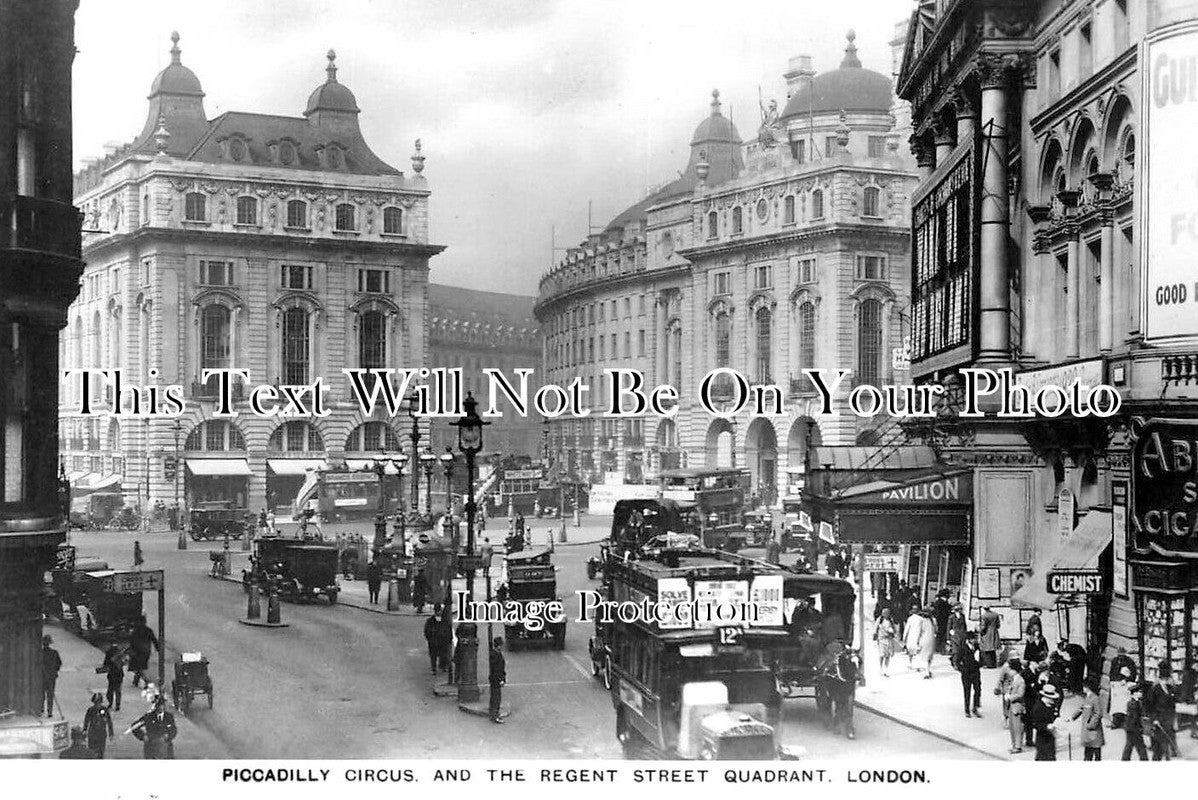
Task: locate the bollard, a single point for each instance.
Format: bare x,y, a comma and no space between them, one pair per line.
393,595
182,545
272,609
562,536
577,518
254,608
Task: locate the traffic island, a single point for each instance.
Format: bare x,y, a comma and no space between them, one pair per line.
445,690
257,623
482,708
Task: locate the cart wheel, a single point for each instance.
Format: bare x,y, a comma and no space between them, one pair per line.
607,672
195,537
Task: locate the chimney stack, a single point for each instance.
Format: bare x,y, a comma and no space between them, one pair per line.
797,72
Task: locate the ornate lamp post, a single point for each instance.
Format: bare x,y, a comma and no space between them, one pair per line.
400,533
470,442
428,460
410,406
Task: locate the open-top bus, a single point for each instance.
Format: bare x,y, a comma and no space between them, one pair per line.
343,495
718,495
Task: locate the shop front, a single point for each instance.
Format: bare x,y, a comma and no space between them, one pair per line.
218,479
1163,541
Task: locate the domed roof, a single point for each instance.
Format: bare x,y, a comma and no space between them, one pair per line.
176,78
849,88
716,127
332,96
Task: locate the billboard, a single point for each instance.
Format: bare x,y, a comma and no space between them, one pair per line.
1168,184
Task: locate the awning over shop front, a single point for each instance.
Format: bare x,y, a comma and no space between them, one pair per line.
367,463
74,476
106,482
295,466
1080,551
869,458
219,467
932,507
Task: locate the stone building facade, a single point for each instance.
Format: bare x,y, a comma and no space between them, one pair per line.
279,245
785,253
1027,128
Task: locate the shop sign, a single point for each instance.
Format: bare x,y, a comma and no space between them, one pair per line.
1088,374
883,562
1164,508
133,582
1075,581
1119,537
954,488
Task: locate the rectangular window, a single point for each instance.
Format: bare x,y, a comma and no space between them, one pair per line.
627,308
615,353
115,285
788,206
296,438
297,214
830,146
871,268
295,276
798,150
375,281
640,346
1085,51
763,277
641,308
877,146
722,283
807,270
214,436
216,273
194,207
602,309
145,272
247,211
601,348
627,344
1122,30
1054,74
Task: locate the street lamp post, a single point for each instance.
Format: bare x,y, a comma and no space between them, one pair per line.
470,442
411,404
427,460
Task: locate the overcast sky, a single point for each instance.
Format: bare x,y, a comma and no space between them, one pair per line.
527,109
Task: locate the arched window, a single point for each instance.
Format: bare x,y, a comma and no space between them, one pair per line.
215,337
764,340
78,333
788,210
371,437
869,342
295,436
713,224
345,217
195,207
807,335
393,220
723,341
215,435
296,347
738,222
247,211
870,202
372,340
297,214
817,204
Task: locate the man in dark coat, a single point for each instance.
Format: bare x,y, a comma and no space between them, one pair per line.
989,638
969,665
156,731
419,592
1121,660
1133,725
432,637
97,724
941,609
114,669
140,642
1160,702
447,662
374,580
78,748
51,664
497,677
957,626
1031,696
1044,717
1036,649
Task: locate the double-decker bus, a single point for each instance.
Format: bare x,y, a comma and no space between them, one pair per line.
718,496
345,495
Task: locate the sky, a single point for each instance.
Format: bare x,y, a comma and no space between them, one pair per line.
528,110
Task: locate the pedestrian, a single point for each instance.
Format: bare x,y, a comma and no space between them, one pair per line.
941,609
496,678
486,555
432,638
1035,652
172,517
1120,694
1013,690
956,633
270,520
773,550
1090,714
832,563
1044,723
1031,695
78,748
927,641
844,692
911,638
1122,661
1160,702
884,637
419,592
989,638
969,665
114,670
156,731
1133,724
97,724
140,642
262,521
1034,626
446,639
51,664
138,560
374,580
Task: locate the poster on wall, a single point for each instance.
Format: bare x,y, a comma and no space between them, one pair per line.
967,588
988,584
1066,507
1169,115
1119,538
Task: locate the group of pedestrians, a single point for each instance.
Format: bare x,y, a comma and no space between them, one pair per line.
445,656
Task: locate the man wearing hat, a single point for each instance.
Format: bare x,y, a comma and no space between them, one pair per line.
97,724
51,664
497,677
970,666
156,731
1044,718
1013,689
1133,724
1160,701
956,633
1090,714
78,748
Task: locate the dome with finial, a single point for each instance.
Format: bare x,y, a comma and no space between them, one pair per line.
717,127
851,88
176,78
331,95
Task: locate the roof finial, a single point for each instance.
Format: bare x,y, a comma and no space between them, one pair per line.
162,136
850,51
418,159
331,69
175,51
715,102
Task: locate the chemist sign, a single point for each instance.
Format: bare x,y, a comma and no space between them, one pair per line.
1168,184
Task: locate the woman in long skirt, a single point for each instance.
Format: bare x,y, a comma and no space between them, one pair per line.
885,635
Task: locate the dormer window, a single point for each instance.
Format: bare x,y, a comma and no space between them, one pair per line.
393,220
333,157
237,149
286,153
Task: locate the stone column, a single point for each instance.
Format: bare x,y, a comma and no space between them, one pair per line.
1106,287
925,156
943,137
1072,292
966,114
995,290
659,357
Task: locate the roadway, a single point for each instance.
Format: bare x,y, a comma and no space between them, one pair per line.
342,682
